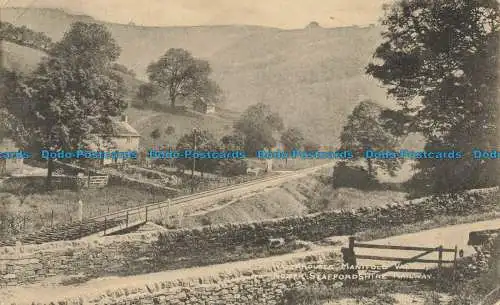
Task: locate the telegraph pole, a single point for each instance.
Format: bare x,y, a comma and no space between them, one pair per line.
195,131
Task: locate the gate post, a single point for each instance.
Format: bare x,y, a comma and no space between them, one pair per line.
351,243
455,263
440,256
455,258
349,261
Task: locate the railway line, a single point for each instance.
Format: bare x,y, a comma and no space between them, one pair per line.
126,218
192,203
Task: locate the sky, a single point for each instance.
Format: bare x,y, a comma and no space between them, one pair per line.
287,14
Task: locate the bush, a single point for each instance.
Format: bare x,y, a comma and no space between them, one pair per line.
205,221
301,297
232,167
352,176
170,130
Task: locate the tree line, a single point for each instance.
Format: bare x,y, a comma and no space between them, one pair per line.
24,36
258,128
438,60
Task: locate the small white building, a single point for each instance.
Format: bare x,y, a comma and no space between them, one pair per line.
8,166
122,137
203,106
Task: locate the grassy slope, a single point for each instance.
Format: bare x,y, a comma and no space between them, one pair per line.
295,198
25,59
314,77
18,57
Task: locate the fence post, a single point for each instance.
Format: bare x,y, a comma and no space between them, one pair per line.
349,261
126,221
146,214
52,218
455,262
105,223
455,257
440,256
351,243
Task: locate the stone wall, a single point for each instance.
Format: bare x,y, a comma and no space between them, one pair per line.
260,286
265,290
149,252
123,180
313,227
108,255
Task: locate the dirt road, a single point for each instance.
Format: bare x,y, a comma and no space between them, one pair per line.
447,236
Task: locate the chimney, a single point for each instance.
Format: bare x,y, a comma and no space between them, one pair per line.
124,118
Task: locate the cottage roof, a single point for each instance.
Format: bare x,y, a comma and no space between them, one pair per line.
123,129
7,144
202,100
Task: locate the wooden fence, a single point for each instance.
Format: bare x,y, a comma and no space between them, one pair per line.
351,257
97,181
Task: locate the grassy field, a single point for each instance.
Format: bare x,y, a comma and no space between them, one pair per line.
61,206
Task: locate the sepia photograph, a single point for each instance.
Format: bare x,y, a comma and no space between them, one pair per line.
264,152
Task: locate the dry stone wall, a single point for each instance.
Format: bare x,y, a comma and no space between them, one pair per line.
150,252
232,289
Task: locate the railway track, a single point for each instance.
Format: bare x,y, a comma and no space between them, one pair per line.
191,203
131,216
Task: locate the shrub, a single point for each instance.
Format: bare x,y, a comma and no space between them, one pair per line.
352,176
205,221
170,130
232,167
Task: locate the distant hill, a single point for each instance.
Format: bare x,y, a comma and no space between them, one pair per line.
314,78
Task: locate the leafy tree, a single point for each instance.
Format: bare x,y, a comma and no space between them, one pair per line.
181,75
439,60
232,167
233,141
199,141
364,130
258,124
207,89
155,134
170,130
72,94
146,93
311,146
12,89
292,139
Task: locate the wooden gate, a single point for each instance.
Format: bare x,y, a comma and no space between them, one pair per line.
350,251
